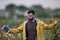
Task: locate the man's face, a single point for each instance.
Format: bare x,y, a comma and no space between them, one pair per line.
30,16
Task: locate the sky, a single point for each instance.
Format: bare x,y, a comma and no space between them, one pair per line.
45,3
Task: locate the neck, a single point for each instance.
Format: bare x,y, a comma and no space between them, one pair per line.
32,20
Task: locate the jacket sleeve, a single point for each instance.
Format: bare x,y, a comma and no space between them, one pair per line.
17,30
47,26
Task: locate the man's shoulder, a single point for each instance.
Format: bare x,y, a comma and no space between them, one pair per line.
38,20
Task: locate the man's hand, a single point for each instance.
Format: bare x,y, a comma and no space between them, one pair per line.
54,20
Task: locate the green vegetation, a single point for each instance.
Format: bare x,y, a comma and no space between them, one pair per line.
15,19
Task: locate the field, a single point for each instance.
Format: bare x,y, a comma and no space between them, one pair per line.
53,34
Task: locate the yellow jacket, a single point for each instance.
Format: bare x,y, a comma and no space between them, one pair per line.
40,27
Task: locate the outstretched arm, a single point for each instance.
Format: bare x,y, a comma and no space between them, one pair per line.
49,26
17,30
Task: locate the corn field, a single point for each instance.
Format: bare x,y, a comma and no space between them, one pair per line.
53,34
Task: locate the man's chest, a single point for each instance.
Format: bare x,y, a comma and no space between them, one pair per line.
31,26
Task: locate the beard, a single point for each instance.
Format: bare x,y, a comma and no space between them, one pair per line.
30,19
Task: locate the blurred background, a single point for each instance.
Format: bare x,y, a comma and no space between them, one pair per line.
14,12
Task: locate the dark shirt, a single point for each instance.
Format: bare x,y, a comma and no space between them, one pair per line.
31,30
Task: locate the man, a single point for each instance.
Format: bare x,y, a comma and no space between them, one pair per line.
33,28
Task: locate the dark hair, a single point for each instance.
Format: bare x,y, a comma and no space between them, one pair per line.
31,11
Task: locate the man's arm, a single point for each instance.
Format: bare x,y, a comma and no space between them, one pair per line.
17,30
48,26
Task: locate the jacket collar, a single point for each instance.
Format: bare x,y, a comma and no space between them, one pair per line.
35,19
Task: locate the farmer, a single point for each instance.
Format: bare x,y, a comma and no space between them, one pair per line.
33,28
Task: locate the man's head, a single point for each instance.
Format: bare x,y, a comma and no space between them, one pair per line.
30,15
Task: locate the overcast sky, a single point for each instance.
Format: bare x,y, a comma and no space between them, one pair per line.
45,3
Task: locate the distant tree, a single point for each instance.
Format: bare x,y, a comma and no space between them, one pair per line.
48,12
56,12
23,8
11,9
39,10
